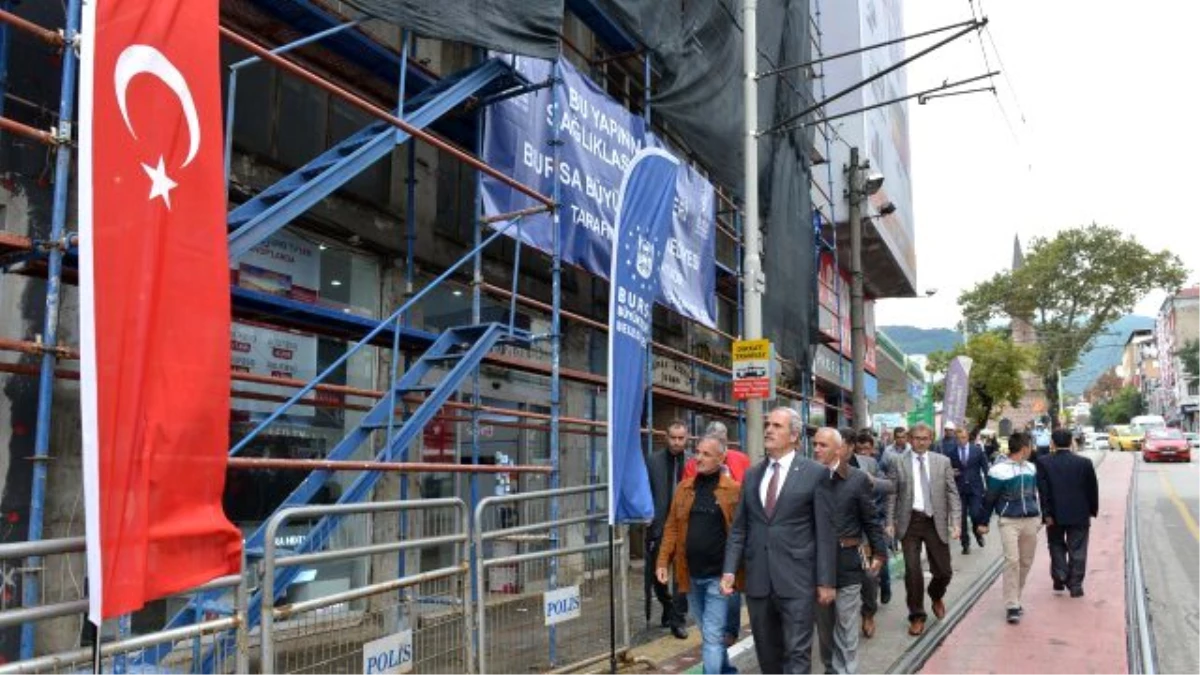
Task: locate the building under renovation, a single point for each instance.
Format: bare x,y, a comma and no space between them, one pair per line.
429,296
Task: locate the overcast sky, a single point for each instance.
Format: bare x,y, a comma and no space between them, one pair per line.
1109,135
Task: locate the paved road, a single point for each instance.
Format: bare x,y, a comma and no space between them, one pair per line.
1167,509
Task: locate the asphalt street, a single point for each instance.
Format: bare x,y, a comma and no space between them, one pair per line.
1168,507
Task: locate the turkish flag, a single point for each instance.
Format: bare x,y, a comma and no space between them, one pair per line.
154,296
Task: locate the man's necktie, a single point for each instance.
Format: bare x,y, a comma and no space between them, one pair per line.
772,490
962,456
928,503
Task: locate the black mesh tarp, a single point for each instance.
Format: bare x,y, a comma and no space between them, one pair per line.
529,27
696,47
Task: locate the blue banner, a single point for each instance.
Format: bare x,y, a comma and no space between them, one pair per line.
958,378
641,229
597,140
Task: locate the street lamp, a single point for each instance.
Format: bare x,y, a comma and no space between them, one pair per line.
860,186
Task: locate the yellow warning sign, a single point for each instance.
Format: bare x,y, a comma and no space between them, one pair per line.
751,350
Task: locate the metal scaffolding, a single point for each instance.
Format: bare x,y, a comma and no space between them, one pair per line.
401,410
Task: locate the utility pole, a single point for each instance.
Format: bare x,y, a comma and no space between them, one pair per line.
752,256
857,192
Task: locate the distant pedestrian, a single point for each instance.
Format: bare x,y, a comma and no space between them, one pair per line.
1070,499
1041,441
783,534
897,447
970,471
1012,494
665,468
694,537
924,513
860,550
949,439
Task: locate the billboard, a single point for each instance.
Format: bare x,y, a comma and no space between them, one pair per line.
880,134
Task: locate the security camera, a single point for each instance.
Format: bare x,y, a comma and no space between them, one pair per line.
873,183
887,209
930,292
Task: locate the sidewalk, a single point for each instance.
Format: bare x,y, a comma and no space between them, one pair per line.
1058,634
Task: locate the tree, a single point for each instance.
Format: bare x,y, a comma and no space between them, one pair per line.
1105,387
995,376
1190,355
1069,288
1120,409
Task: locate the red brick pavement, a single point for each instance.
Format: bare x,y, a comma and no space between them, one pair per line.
1058,634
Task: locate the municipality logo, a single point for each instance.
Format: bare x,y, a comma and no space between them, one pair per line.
645,257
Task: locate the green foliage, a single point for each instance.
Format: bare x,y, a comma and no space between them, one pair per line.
995,373
1190,355
1120,409
1069,288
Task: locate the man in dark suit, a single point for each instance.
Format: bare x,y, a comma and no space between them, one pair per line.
1070,497
970,477
783,532
665,467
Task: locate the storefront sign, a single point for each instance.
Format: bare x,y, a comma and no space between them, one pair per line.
265,351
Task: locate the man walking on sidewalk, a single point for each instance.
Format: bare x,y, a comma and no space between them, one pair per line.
783,534
1070,499
1012,493
694,540
665,468
877,586
924,512
857,530
970,471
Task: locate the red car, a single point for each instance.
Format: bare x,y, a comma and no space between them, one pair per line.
1165,445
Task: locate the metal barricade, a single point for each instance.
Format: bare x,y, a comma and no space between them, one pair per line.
181,649
542,580
401,603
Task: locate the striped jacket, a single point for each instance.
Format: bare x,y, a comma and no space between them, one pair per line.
1011,491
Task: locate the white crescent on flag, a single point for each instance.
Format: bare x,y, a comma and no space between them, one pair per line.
138,59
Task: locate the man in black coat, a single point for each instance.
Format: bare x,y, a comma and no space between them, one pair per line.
1070,497
665,467
970,476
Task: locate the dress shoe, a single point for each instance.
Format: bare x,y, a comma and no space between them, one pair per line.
1013,615
1076,592
916,626
979,539
1060,586
679,632
939,608
868,626
966,549
885,596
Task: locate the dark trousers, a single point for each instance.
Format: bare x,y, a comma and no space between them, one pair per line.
674,605
872,585
783,632
972,503
922,532
1068,553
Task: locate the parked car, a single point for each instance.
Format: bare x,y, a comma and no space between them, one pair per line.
1096,440
1193,439
1165,445
1124,437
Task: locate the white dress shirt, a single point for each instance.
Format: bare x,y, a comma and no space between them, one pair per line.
785,463
918,495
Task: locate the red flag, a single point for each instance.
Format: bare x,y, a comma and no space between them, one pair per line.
154,295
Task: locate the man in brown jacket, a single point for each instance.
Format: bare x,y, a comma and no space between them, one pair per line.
694,542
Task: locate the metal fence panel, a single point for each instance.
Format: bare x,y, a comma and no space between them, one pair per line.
534,543
407,601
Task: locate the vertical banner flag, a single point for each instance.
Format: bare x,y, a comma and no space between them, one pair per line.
154,302
645,205
958,377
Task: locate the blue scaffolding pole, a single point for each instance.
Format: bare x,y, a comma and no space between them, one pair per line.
555,334
58,244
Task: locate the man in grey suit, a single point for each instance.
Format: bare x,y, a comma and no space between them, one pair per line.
783,533
924,511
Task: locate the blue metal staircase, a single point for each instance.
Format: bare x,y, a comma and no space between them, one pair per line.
255,220
439,372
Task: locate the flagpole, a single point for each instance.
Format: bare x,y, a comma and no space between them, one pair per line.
612,602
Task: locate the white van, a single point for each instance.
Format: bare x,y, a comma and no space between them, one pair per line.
1143,423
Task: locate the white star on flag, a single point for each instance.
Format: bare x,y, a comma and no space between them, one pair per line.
160,184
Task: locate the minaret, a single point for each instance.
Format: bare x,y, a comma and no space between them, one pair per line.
1022,332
